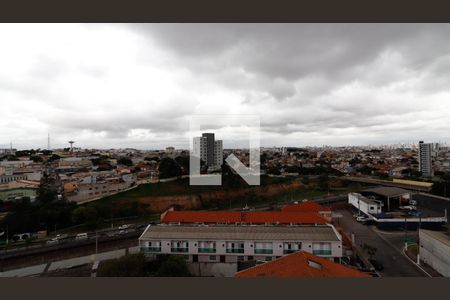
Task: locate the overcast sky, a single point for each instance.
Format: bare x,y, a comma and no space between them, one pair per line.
133,85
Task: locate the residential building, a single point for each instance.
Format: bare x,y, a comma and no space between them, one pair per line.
425,162
208,150
217,250
301,264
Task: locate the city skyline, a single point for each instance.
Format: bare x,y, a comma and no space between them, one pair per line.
133,86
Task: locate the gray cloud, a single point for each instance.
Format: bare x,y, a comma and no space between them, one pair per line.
310,83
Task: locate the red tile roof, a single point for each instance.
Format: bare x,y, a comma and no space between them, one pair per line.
301,264
254,217
306,206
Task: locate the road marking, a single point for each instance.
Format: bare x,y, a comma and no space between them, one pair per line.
417,265
401,251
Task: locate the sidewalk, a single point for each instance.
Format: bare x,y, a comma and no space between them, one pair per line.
431,272
68,263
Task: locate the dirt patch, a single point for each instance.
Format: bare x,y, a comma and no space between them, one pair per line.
161,203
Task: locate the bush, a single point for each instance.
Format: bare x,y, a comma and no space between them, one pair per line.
132,265
173,266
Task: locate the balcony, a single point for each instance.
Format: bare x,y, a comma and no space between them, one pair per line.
150,249
263,251
179,250
206,250
235,250
322,252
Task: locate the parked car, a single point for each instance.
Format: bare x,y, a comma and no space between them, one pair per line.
376,264
412,202
362,219
125,226
415,213
81,236
52,241
408,207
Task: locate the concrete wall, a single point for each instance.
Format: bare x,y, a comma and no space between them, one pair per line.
213,269
435,253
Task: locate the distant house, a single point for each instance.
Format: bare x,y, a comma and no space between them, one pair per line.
301,265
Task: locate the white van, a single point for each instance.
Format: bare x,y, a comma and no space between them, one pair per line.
81,236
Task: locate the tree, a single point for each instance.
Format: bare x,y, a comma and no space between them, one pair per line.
36,158
169,168
371,250
47,190
53,158
86,214
323,181
132,265
305,180
125,161
173,266
184,162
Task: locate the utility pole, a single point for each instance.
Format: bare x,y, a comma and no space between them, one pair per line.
96,242
406,236
418,241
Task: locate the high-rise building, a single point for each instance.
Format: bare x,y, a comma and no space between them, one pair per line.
209,150
425,163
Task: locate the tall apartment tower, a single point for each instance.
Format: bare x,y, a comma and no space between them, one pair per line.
209,150
425,163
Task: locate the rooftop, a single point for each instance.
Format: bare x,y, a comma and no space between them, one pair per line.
301,264
251,217
387,191
306,206
309,233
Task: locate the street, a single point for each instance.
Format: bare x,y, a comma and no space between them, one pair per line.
388,253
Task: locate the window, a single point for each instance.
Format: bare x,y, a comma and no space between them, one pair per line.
179,246
321,248
222,258
212,257
314,264
235,247
240,258
291,247
152,247
263,248
249,257
207,247
194,258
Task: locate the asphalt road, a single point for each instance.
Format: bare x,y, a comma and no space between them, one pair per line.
51,256
388,253
434,204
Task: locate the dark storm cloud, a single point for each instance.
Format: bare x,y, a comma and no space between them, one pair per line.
294,52
140,82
